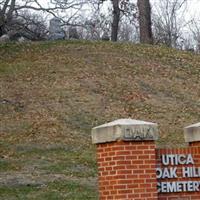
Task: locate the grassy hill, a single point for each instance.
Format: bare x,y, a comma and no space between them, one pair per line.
53,93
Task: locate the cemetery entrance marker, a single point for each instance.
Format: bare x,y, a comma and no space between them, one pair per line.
132,168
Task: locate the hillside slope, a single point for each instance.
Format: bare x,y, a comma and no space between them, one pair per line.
53,93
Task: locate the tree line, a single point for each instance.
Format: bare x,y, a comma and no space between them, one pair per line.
156,22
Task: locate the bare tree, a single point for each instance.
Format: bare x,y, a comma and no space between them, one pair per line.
128,31
11,9
194,27
129,26
97,23
120,8
6,13
116,18
30,25
123,10
169,21
145,21
116,11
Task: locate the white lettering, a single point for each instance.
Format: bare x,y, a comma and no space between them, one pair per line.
190,188
191,172
180,186
171,159
181,159
196,186
171,187
186,172
165,160
171,172
190,160
158,173
166,173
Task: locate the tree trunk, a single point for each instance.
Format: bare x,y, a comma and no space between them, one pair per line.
2,25
116,18
2,30
145,21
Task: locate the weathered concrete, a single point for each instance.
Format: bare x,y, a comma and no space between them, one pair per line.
192,133
125,130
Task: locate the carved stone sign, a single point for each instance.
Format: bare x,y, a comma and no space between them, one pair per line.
140,133
182,168
125,130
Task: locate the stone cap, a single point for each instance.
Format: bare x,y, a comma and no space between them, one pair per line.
125,130
192,133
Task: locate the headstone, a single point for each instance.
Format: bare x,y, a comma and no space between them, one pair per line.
55,30
73,33
21,39
105,37
4,38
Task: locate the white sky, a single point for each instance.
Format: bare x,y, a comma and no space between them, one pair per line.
193,7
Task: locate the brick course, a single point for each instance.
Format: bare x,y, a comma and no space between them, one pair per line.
127,170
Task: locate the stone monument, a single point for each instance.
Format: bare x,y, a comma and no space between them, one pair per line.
55,30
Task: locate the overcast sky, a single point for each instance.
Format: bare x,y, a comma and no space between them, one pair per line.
193,7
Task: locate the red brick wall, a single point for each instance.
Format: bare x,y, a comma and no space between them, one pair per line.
127,170
194,149
194,144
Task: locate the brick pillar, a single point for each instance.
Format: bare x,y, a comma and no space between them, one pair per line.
192,134
126,159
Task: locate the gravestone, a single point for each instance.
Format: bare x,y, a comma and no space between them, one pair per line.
73,33
4,38
55,30
105,36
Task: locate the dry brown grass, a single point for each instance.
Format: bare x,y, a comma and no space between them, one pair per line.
53,93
